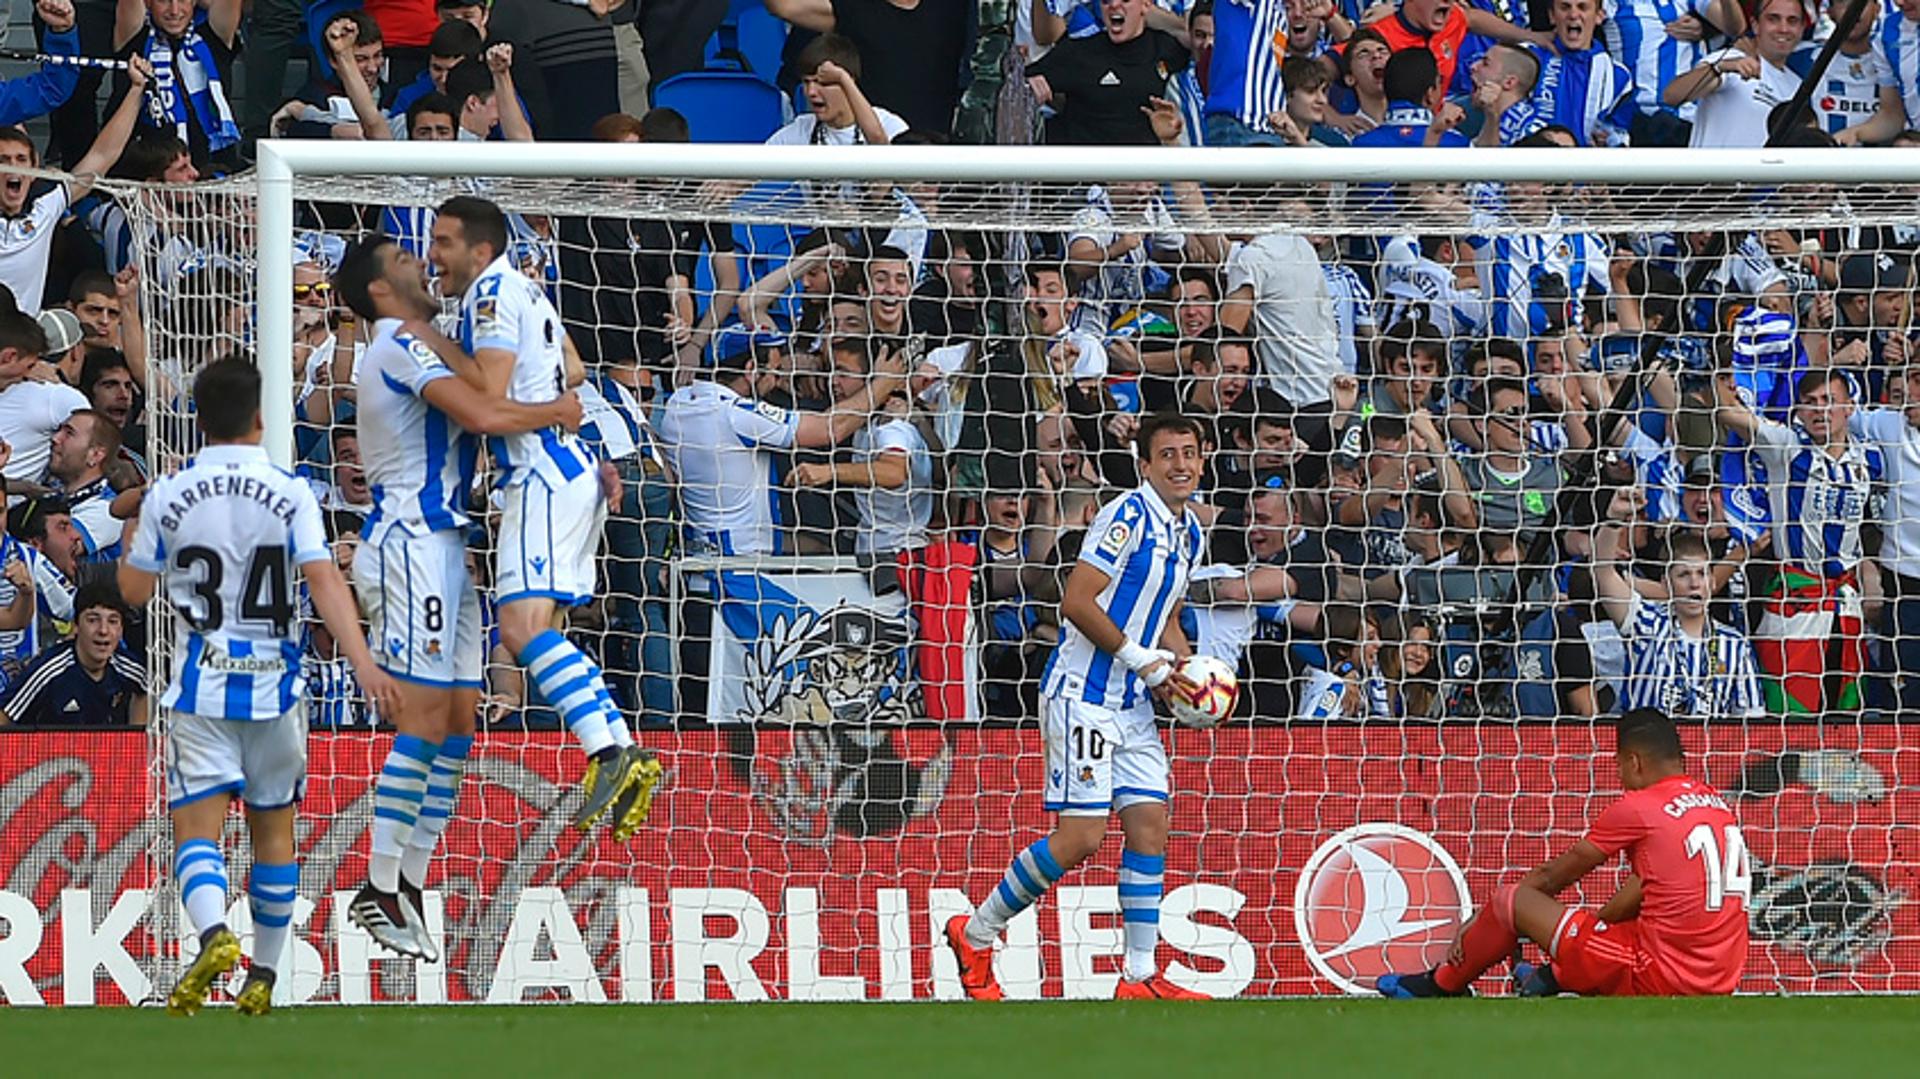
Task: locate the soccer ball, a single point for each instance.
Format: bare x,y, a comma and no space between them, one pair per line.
1216,691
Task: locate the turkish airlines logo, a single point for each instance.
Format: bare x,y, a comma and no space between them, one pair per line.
1377,898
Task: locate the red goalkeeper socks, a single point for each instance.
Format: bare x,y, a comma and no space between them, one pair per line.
1489,938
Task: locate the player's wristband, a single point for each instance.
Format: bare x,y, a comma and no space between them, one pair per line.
1138,657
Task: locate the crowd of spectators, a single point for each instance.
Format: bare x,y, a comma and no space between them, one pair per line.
1528,468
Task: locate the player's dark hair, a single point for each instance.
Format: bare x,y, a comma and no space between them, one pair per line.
828,46
99,594
359,268
455,37
1649,731
665,125
28,520
20,138
468,80
22,333
1202,275
887,253
226,398
481,222
1688,543
1411,75
1819,378
1155,424
432,101
1302,73
149,155
95,367
91,283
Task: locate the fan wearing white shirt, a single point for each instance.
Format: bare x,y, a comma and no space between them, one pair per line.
891,474
841,115
30,411
31,209
1736,88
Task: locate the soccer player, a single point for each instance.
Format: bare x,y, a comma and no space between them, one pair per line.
553,505
1676,927
1121,640
225,533
421,401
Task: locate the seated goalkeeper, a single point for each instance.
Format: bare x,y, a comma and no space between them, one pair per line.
1676,927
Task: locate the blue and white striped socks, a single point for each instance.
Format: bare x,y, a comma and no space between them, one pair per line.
443,790
398,795
201,871
270,895
1142,877
571,686
1033,871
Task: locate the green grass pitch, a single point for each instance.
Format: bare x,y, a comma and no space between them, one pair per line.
1833,1038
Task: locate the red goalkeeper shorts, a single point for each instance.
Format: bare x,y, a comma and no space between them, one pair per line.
1603,959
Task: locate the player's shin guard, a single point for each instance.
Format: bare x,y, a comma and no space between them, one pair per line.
1033,871
1141,881
564,677
397,797
443,791
1488,940
201,871
271,891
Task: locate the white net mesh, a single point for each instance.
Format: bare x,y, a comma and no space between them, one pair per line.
1420,406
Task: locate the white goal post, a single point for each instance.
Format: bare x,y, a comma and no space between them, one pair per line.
801,850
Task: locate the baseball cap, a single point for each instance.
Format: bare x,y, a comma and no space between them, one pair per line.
1700,470
62,329
1867,273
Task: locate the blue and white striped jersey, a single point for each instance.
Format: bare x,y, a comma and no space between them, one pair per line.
502,309
1819,501
1148,553
1849,92
225,534
1587,92
1119,284
1636,34
1243,81
720,446
53,600
1898,43
1684,676
1533,279
1352,309
419,463
1415,287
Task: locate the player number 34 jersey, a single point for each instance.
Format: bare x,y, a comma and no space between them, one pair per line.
225,534
1696,879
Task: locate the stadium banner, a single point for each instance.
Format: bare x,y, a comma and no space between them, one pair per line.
811,864
814,648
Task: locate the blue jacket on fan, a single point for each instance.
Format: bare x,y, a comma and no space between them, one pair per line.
1588,92
45,90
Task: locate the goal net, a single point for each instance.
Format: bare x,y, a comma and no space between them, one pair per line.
1487,464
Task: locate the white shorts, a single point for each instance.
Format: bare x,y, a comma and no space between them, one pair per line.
1100,761
548,540
422,610
263,761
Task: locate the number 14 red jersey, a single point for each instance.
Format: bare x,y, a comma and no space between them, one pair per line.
1683,841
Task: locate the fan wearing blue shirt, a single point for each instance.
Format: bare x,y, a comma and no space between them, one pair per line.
1581,88
86,680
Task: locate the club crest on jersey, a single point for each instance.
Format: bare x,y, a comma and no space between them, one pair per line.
420,351
433,647
1378,897
1086,773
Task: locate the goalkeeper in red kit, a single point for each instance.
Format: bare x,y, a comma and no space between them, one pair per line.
1677,927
